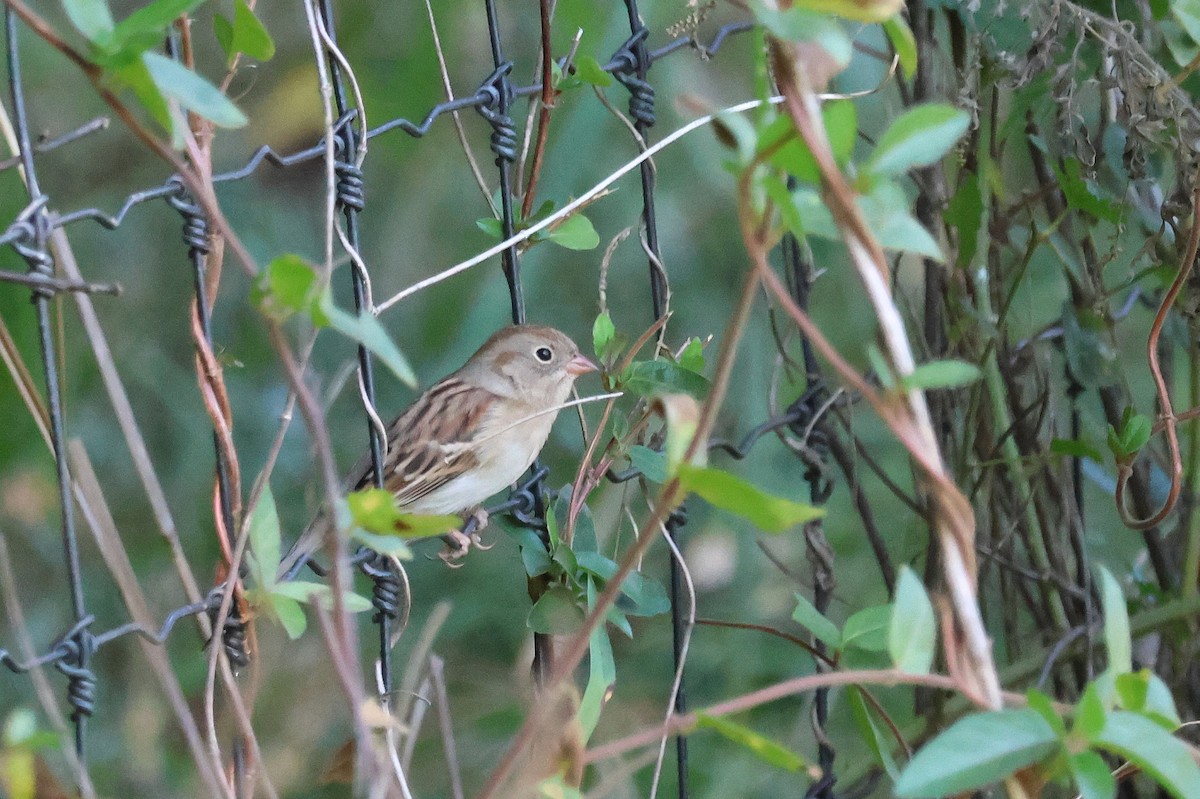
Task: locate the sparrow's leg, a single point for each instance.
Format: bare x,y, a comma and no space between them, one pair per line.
458,542
477,522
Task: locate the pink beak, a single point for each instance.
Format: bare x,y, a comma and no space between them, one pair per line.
579,365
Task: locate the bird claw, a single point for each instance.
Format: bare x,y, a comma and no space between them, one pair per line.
459,542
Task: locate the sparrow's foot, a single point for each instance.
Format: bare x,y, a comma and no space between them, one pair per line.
476,523
458,544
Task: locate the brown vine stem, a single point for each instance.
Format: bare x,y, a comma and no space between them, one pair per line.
796,685
1168,421
547,103
906,412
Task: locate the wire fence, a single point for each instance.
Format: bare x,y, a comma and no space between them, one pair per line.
29,235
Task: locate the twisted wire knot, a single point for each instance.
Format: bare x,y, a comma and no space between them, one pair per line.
630,65
497,93
811,429
350,192
388,592
233,633
77,647
29,239
349,184
195,223
524,503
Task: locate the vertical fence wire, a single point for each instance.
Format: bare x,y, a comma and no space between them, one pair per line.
810,425
78,641
634,62
503,143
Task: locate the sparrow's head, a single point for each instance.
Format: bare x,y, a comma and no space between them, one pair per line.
530,362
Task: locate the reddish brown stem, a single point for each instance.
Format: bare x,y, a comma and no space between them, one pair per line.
1167,418
547,101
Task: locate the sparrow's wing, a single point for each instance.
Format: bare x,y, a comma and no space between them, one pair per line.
429,444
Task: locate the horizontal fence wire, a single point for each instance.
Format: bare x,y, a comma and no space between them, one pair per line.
27,235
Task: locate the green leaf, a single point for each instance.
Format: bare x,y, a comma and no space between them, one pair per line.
1116,624
768,513
149,24
321,594
646,596
964,213
652,464
1082,194
976,751
903,42
1092,776
1044,707
919,137
556,612
602,673
1156,751
691,357
885,209
290,614
912,633
794,157
868,629
136,77
1145,692
604,332
597,565
193,92
375,510
244,34
1076,448
491,226
660,376
367,331
287,286
942,374
588,70
533,552
807,615
91,17
763,748
1187,12
800,25
1090,715
392,545
265,539
576,232
879,744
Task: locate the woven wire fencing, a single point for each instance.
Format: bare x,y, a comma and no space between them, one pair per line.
554,183
40,234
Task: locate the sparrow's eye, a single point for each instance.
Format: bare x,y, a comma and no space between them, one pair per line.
543,354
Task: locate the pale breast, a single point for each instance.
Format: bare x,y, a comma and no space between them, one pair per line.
505,448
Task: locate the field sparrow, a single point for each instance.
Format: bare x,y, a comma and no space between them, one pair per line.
473,433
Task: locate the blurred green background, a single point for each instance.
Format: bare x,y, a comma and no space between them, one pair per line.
422,204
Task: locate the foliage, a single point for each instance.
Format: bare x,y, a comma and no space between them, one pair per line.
1025,171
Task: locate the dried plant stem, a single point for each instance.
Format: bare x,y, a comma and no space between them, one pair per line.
908,413
772,693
